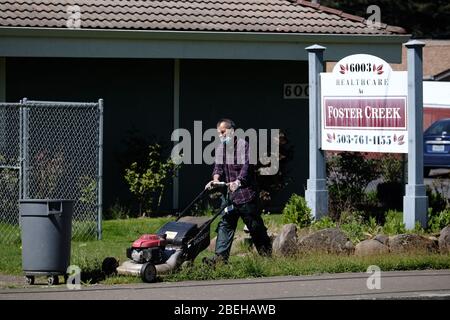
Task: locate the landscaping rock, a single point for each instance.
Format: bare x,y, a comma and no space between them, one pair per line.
349,247
370,247
444,240
331,240
411,243
383,239
286,242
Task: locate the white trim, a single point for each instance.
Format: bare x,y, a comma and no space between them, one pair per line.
176,124
436,106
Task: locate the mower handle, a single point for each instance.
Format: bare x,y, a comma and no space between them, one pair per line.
199,196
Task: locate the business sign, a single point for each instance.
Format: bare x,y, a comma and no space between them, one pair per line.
364,106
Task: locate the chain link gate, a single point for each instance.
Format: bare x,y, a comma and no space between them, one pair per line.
53,151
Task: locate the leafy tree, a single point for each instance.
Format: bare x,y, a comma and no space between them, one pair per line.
422,18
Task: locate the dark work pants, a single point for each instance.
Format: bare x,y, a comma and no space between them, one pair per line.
252,218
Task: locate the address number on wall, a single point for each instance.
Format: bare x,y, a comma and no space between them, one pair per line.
295,91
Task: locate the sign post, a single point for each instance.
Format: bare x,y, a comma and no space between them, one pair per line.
415,201
365,106
316,193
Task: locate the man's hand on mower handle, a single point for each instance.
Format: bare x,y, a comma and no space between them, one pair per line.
214,183
234,185
214,180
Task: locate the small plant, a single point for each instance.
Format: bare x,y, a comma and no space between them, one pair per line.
418,229
352,223
147,181
47,172
117,211
297,211
372,226
88,190
394,223
323,223
438,221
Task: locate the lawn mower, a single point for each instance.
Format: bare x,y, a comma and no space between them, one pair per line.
175,243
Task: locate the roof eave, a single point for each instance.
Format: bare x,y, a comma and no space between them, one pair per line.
54,42
200,35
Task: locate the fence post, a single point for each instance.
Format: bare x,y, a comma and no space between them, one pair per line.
415,201
316,194
24,143
100,170
20,160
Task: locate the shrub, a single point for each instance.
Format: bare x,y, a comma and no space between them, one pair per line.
437,200
297,211
390,191
147,180
371,198
394,223
349,174
391,168
390,195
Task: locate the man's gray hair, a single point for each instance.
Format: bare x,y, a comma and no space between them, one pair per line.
230,123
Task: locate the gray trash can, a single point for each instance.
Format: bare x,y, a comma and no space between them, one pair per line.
46,230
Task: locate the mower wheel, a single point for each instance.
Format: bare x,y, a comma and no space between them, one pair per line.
52,280
148,272
187,264
29,280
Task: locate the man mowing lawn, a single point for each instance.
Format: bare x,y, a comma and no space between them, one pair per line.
239,176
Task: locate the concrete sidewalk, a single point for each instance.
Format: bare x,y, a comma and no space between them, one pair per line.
428,284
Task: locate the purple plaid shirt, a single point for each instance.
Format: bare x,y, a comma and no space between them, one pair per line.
231,166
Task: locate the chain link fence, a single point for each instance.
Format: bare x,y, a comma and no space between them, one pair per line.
53,151
10,186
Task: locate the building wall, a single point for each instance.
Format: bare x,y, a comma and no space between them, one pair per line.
250,93
433,114
138,94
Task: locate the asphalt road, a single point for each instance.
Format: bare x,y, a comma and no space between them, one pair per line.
428,284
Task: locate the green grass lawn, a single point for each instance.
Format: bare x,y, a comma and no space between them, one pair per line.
119,234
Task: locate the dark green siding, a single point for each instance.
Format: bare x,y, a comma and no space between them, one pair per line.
251,93
138,94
